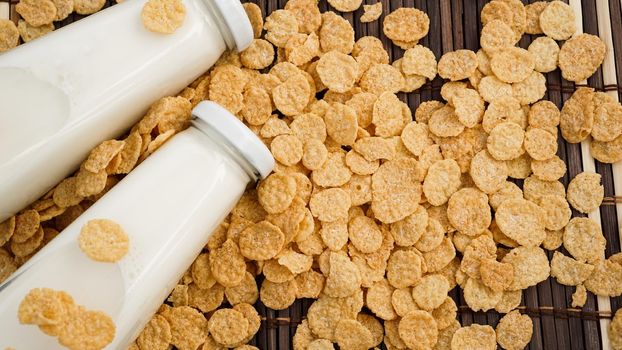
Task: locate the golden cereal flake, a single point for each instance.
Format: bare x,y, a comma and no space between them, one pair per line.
103,240
514,331
228,326
495,275
161,16
345,5
606,279
404,268
512,65
292,96
431,291
276,192
509,301
533,12
87,7
314,154
419,61
396,189
445,123
540,144
279,26
555,211
85,329
441,181
521,220
302,48
9,35
551,169
553,239
496,10
307,13
261,241
403,302
45,307
497,35
373,325
557,20
418,329
155,335
378,300
580,56
584,240
457,65
325,313
425,110
487,173
545,52
258,55
534,188
22,226
469,107
585,192
28,32
505,141
491,89
371,12
364,234
351,334
255,17
390,115
89,183
336,33
338,71
227,264
341,123
406,232
416,137
531,266
568,271
406,24
615,331
36,12
607,152
330,204
474,337
310,284
468,211
579,297
607,121
531,89
286,149
344,278
380,78
479,297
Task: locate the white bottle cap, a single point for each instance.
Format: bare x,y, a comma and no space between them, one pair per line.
233,131
234,16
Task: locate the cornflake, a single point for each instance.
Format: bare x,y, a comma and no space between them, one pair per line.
228,326
103,240
580,56
351,334
156,334
161,16
584,240
85,329
514,331
396,189
512,65
585,193
36,12
557,20
371,12
474,337
505,141
457,65
87,7
568,271
545,52
345,5
406,24
468,211
9,35
418,329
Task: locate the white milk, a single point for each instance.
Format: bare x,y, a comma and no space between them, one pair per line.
168,206
64,93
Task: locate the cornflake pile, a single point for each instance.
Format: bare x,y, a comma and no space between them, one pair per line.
375,215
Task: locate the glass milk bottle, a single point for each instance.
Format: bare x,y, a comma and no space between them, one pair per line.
64,93
168,206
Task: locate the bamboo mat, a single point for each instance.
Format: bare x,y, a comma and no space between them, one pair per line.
455,24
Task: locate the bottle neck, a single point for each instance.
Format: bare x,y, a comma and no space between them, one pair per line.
222,141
